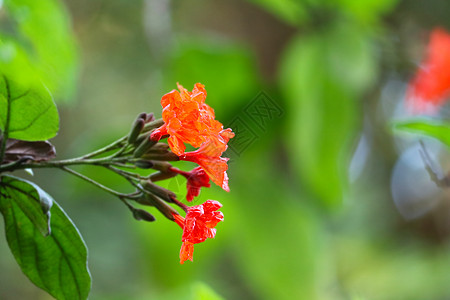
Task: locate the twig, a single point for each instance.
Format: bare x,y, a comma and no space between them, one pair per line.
99,185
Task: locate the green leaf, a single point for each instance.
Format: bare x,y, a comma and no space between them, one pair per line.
27,197
44,29
15,63
31,112
436,129
322,76
57,263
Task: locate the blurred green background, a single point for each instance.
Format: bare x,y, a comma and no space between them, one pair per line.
325,202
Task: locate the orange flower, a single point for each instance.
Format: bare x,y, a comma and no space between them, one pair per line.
198,226
188,119
431,85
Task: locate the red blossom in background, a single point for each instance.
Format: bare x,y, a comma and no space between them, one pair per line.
198,226
431,84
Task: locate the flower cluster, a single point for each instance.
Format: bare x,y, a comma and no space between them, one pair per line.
431,85
198,226
189,120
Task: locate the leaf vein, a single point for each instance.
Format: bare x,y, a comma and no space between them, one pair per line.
20,96
63,255
32,120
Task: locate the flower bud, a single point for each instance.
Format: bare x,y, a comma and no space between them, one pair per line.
140,214
158,176
154,124
136,129
162,166
159,148
151,200
144,164
169,156
142,116
139,140
144,146
149,117
159,191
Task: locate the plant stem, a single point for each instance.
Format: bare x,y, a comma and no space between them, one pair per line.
181,205
115,144
66,162
5,134
99,185
123,165
107,148
123,173
130,207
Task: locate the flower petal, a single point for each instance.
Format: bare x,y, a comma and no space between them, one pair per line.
186,252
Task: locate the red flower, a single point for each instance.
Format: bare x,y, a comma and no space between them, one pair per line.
179,220
431,85
208,157
195,180
187,119
198,226
215,167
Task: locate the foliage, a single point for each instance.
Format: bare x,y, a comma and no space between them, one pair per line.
44,241
37,54
317,84
38,46
27,113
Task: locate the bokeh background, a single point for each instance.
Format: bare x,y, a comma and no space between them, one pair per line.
326,201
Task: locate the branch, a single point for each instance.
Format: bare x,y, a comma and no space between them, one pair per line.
99,185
